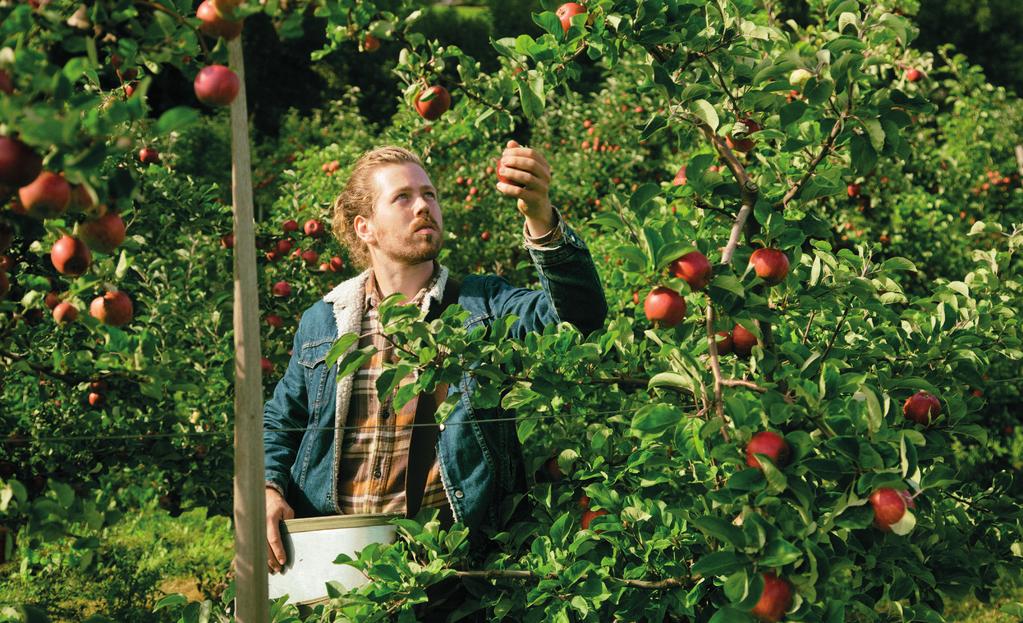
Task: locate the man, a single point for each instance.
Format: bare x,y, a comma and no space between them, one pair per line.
359,455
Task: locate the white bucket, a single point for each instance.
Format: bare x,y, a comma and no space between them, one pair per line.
313,543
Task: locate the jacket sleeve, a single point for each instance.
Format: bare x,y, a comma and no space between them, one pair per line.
571,292
287,409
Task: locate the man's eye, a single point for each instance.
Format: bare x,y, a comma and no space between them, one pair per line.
400,195
430,193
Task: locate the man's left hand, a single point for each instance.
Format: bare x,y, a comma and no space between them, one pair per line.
531,174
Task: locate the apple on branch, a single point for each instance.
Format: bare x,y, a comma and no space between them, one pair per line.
922,407
743,341
432,102
891,510
770,444
775,600
664,306
216,85
113,308
694,269
70,256
771,265
569,10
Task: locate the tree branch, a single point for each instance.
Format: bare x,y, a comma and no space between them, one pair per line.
825,148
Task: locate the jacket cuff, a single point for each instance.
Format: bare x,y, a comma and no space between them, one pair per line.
550,240
276,487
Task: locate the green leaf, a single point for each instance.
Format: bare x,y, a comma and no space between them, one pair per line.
718,563
875,132
342,344
642,196
863,155
731,615
175,599
655,419
720,530
706,112
532,101
175,119
674,380
780,552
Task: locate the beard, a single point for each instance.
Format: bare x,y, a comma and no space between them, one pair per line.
414,248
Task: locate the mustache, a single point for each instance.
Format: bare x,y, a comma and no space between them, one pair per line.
421,224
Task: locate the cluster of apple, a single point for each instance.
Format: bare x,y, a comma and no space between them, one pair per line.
330,167
994,179
217,85
45,194
667,308
97,393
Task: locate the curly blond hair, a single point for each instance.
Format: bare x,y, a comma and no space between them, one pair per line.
358,197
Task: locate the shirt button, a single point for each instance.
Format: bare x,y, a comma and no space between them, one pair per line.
376,473
459,494
440,427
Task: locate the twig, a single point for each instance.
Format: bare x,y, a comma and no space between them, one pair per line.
742,383
181,20
522,574
825,148
715,366
838,328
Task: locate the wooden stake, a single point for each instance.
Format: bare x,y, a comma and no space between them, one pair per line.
251,598
1019,159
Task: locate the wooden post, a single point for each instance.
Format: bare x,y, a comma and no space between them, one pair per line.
1019,159
249,496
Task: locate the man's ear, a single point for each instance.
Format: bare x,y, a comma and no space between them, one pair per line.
364,229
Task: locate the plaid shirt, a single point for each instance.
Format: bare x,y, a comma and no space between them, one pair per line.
374,458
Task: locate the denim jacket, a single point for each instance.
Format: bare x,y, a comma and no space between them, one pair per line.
480,463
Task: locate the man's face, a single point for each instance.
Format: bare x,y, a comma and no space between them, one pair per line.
406,225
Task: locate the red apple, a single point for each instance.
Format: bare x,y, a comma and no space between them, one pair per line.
65,312
149,155
289,226
227,241
226,8
771,265
214,25
370,43
680,177
553,470
5,284
282,289
725,343
889,507
566,11
313,228
742,341
82,199
485,236
694,268
336,264
52,299
47,196
500,178
770,444
104,234
6,236
853,190
113,308
129,89
267,366
775,600
740,141
216,85
283,247
6,263
664,306
70,256
95,399
274,321
6,83
433,102
922,407
98,386
913,74
590,515
19,163
310,257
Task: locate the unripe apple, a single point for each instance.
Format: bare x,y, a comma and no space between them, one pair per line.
113,308
889,507
281,289
370,43
922,407
694,268
775,600
589,516
913,74
313,228
149,155
771,265
47,196
799,77
680,177
742,341
770,444
214,25
216,85
433,102
566,11
289,226
19,163
70,256
104,234
664,306
65,312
